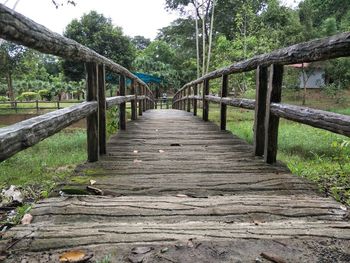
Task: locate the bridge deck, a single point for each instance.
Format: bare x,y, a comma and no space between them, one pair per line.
177,189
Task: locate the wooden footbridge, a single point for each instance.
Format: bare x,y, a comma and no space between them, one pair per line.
173,187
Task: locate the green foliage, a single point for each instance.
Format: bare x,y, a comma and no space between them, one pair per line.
3,98
28,96
98,33
334,91
45,94
112,121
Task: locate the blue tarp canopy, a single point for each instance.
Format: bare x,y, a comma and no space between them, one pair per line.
148,78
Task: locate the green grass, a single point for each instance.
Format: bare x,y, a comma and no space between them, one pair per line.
48,162
309,152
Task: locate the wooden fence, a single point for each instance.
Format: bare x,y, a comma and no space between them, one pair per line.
267,105
21,30
14,105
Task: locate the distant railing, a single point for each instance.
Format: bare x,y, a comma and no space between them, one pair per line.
162,103
14,105
21,30
267,105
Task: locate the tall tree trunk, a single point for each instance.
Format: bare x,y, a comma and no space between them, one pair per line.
197,40
210,35
203,37
11,93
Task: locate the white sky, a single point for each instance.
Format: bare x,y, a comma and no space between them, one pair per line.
136,17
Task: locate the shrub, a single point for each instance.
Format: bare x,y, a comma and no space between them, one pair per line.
4,98
45,94
30,95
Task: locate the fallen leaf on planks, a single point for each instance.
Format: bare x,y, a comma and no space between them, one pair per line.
27,219
137,161
141,250
161,151
94,190
181,195
92,182
75,256
136,151
272,258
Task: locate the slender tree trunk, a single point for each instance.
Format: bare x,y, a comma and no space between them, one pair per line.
197,40
304,83
203,38
210,35
11,93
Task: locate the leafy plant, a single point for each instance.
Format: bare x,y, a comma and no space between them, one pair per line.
4,98
28,96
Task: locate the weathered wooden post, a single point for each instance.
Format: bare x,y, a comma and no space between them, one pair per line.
134,101
184,99
92,119
274,94
195,93
37,106
205,101
260,110
144,100
139,91
102,131
122,106
223,107
188,99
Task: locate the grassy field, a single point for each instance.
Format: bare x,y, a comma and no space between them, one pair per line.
318,155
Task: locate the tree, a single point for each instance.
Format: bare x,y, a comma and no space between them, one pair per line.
98,33
141,42
10,57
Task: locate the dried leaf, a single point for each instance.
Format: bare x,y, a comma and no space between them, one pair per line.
141,250
13,194
136,151
92,182
343,207
161,151
75,256
94,190
137,161
27,219
181,195
272,258
164,250
190,243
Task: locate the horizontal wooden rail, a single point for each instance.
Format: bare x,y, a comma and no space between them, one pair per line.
320,49
240,103
113,101
24,134
334,122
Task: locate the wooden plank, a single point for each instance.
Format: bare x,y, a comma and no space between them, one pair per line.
115,101
122,106
102,110
223,107
205,101
260,110
139,92
144,100
92,120
272,121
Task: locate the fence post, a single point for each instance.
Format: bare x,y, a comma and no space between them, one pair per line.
274,94
92,119
139,91
223,107
260,110
188,99
195,93
144,100
37,106
102,109
133,102
122,106
184,99
16,106
205,101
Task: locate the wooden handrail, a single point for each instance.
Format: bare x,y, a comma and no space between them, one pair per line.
267,106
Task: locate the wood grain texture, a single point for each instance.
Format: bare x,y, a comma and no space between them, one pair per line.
22,135
191,193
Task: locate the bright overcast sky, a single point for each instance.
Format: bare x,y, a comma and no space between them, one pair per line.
136,17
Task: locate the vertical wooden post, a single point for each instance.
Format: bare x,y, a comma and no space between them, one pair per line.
92,119
188,99
205,101
223,107
122,106
145,100
58,104
195,93
260,110
37,106
102,127
184,100
139,91
133,102
16,106
274,94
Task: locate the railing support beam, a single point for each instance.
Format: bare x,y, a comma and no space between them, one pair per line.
260,110
223,107
205,101
92,120
272,122
134,102
195,93
122,106
102,129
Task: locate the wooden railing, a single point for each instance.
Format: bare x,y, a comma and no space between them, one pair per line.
162,103
14,105
21,30
267,106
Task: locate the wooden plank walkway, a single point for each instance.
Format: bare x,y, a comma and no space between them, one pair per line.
176,189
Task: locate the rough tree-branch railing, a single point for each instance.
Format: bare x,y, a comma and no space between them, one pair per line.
17,28
267,106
